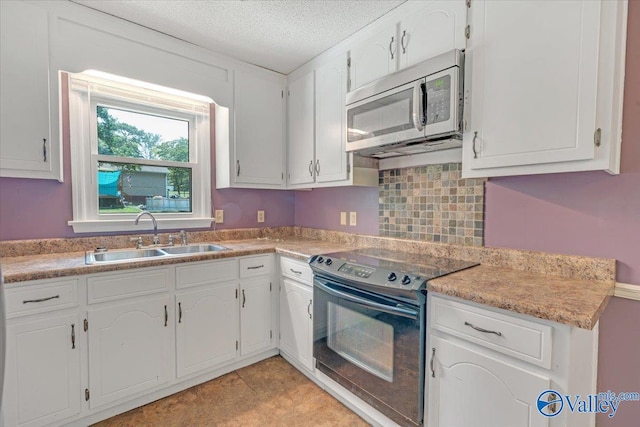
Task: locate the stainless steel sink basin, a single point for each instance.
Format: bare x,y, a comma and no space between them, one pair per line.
193,249
137,254
125,255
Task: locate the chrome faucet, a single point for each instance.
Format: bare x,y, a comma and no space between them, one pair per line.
183,235
156,240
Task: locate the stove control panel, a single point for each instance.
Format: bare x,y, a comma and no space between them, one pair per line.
356,270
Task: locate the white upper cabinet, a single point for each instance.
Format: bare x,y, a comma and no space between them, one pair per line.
259,134
541,87
27,149
331,90
433,28
374,58
301,159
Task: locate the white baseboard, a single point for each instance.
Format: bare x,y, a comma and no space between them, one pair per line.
627,290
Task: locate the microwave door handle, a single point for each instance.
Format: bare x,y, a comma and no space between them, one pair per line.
397,310
418,105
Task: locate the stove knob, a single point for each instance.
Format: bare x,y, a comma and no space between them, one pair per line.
328,261
406,280
392,276
320,260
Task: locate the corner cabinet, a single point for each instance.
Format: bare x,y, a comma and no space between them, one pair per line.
488,367
258,133
28,147
543,98
317,154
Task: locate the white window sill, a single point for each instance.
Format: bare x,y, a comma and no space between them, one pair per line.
144,224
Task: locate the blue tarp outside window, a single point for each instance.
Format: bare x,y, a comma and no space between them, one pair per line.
108,183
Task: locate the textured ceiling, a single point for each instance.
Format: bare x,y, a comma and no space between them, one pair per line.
278,35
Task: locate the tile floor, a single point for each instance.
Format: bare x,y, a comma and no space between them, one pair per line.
268,393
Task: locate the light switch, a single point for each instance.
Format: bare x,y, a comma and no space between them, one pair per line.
343,218
352,219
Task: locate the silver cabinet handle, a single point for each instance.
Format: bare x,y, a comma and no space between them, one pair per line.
295,271
255,267
44,149
404,48
309,308
244,298
27,301
473,146
433,355
166,316
317,167
73,336
485,331
311,168
390,46
179,312
237,167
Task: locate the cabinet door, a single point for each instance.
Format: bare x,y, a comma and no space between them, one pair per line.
331,90
300,160
259,130
473,389
433,30
129,349
532,83
255,316
25,140
202,342
295,321
374,58
43,372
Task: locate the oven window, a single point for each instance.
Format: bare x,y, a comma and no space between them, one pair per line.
390,114
361,339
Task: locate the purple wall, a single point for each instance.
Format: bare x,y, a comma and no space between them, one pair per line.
594,214
36,208
321,207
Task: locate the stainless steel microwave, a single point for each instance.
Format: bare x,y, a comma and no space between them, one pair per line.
418,109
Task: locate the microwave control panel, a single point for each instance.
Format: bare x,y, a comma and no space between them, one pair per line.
438,105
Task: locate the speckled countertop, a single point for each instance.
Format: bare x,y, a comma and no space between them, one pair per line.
566,289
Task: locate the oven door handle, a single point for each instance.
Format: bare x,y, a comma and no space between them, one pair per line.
399,309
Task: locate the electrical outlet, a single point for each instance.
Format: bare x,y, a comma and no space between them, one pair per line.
219,216
352,219
260,216
343,218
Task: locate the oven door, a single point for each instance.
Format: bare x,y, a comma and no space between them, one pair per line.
373,346
396,115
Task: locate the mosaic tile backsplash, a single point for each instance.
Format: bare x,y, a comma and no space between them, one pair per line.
432,203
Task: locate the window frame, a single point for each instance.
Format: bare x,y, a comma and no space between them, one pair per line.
85,94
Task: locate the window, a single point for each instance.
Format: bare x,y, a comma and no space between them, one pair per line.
136,147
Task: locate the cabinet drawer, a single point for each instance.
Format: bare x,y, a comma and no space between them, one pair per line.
41,298
109,287
208,272
519,338
297,270
255,266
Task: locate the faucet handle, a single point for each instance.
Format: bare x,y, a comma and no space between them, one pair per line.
170,243
183,235
138,240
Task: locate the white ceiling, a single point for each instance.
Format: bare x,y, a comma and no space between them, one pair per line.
278,35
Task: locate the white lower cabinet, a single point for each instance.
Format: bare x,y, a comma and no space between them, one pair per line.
472,389
129,348
296,308
256,313
487,367
43,371
201,342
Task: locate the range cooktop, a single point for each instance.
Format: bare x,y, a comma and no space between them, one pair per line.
386,269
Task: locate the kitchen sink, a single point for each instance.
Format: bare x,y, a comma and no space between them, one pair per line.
193,249
125,255
137,254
